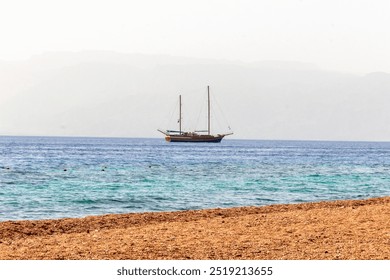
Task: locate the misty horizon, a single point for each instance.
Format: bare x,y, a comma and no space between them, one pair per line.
296,69
110,94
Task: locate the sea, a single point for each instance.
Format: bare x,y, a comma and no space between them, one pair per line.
58,177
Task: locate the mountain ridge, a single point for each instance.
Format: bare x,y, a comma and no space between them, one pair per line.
127,95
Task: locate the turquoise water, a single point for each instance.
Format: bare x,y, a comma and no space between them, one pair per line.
49,177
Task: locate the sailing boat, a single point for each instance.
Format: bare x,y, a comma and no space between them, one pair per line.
195,136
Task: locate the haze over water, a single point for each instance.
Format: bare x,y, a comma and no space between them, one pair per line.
51,177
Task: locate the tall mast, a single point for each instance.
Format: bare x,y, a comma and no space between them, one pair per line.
180,114
208,114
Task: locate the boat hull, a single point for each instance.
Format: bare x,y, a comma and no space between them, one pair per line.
195,138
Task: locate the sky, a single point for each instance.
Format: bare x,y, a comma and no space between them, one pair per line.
254,50
341,35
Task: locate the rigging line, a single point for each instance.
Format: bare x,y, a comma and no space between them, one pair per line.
197,120
216,120
223,115
197,103
215,116
173,112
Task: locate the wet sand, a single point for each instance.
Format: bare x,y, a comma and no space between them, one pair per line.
357,229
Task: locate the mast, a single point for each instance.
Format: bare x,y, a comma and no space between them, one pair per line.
180,114
208,109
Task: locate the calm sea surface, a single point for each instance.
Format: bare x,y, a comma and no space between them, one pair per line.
49,177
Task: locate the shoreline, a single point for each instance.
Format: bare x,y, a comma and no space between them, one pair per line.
345,229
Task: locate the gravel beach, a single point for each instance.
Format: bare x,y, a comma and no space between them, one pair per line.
346,230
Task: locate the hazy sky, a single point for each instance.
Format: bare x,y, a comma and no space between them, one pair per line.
340,35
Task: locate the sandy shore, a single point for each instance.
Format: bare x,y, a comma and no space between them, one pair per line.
358,229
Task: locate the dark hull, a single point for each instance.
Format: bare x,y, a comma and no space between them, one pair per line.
194,138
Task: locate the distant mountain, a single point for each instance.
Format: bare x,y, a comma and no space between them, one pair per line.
131,95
